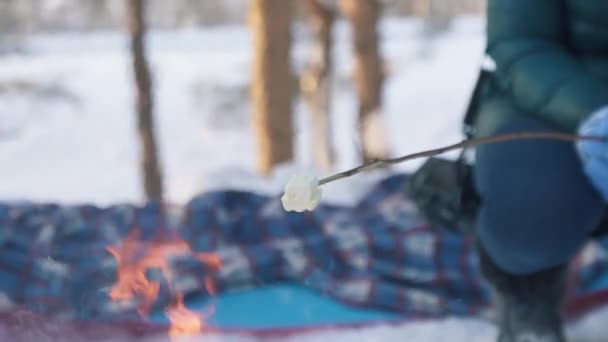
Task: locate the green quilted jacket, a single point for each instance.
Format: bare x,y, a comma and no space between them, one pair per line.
551,61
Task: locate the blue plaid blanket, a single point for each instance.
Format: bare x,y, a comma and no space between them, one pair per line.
380,253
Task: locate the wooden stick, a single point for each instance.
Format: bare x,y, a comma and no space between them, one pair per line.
381,163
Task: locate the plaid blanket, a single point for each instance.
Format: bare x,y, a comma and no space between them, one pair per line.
380,253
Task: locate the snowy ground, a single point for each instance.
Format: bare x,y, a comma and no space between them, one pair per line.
67,126
67,118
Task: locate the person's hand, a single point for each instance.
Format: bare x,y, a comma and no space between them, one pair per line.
594,154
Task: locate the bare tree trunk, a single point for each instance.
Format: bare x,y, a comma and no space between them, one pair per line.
316,82
439,16
97,14
144,104
363,15
272,86
12,28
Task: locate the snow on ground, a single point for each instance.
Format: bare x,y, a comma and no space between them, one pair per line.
67,126
452,330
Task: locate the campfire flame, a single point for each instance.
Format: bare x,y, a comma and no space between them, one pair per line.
135,258
185,322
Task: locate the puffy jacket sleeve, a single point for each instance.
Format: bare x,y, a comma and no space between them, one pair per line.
526,40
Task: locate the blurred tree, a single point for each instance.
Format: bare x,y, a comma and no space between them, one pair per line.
35,15
272,86
97,13
191,13
202,12
363,15
434,8
316,81
439,15
11,26
144,104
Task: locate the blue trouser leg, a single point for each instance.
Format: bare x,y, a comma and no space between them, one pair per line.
538,207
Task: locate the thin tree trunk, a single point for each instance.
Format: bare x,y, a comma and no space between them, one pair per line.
317,82
152,179
272,86
438,16
363,15
97,14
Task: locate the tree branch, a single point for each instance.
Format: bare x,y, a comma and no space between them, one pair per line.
381,163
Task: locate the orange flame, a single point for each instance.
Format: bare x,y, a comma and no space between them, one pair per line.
135,257
185,322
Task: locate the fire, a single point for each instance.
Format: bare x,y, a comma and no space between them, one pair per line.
185,322
135,258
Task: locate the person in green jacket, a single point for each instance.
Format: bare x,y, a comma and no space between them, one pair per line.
538,207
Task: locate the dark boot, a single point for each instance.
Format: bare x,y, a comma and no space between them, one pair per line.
528,307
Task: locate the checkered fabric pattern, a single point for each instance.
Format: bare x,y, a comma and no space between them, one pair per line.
378,254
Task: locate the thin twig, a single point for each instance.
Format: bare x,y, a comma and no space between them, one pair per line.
380,163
